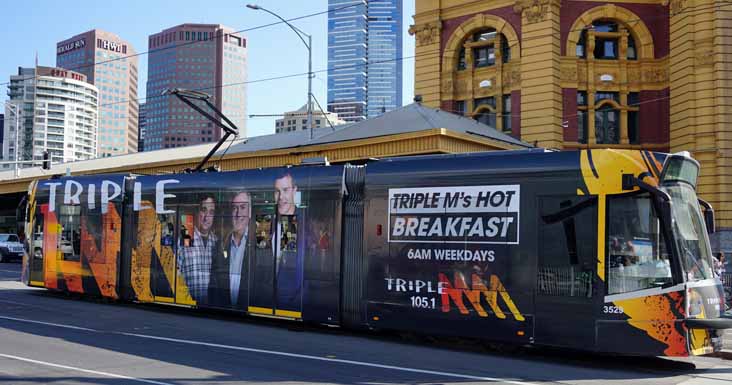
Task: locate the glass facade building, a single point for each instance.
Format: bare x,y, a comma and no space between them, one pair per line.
384,87
110,63
209,58
364,57
142,121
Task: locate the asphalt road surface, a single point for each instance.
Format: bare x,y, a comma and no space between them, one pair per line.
47,338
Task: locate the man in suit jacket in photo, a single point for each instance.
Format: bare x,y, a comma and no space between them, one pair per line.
289,244
228,285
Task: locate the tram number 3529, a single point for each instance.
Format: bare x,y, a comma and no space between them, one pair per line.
612,309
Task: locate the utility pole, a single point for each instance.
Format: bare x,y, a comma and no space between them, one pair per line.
309,46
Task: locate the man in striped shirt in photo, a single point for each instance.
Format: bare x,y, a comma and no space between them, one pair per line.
194,256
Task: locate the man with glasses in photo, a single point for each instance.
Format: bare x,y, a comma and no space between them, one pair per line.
194,259
228,286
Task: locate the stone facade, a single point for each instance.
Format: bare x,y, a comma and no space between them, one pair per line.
571,74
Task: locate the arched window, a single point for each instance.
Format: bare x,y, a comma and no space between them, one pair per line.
486,116
461,60
483,47
485,111
609,116
607,36
607,124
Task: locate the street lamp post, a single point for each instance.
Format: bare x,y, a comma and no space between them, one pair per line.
309,46
16,110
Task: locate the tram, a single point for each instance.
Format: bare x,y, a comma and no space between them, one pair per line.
598,250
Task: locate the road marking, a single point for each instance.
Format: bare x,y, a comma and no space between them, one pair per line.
84,370
337,360
10,271
49,324
285,354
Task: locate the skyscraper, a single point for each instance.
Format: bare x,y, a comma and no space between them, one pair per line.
2,129
364,57
58,113
142,122
109,63
208,58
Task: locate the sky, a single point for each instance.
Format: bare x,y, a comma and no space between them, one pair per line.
35,27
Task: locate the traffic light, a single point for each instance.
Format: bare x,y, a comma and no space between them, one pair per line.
46,160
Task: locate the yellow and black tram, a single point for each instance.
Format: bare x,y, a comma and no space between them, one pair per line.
601,250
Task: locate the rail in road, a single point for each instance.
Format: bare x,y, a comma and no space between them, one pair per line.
49,338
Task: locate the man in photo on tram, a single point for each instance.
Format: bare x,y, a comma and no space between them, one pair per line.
194,259
228,286
288,243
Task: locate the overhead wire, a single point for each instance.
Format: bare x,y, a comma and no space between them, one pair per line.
690,9
299,74
427,53
193,42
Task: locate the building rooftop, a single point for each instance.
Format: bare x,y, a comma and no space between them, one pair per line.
408,119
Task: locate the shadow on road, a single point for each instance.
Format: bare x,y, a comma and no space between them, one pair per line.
387,348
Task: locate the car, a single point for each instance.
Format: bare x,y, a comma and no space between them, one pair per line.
66,247
10,247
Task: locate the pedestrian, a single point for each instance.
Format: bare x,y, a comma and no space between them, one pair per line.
720,263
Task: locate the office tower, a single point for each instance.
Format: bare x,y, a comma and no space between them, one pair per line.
2,129
58,112
107,61
142,122
364,57
209,58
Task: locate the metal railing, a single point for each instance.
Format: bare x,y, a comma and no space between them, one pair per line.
568,281
726,279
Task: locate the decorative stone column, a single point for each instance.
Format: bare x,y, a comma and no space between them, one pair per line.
701,116
541,93
426,30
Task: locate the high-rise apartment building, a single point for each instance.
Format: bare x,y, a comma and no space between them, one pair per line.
209,58
109,63
58,113
364,57
142,122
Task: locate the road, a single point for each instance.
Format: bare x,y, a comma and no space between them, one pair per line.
47,338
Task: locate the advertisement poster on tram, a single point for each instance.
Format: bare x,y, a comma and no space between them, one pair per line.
448,249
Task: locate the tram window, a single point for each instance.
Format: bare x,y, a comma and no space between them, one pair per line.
287,233
167,236
264,231
69,219
186,230
567,235
37,242
637,254
322,260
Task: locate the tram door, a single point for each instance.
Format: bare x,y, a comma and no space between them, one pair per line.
565,287
35,252
276,269
163,262
262,264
